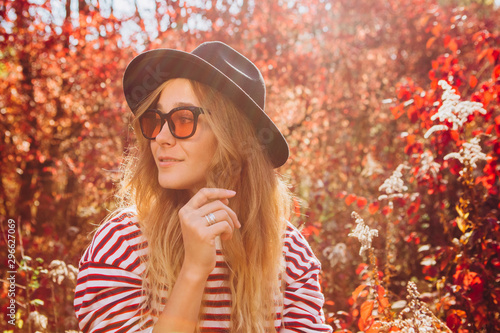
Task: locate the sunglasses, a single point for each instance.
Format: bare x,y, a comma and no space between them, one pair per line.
182,122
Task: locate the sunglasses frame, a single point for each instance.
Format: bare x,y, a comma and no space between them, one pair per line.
167,118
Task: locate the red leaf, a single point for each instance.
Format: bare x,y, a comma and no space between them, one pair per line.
361,202
453,321
472,81
360,268
350,199
496,72
312,229
386,210
413,208
493,55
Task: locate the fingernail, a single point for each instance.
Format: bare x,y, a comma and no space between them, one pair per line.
231,192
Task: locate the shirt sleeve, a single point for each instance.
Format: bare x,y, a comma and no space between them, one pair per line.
108,295
303,299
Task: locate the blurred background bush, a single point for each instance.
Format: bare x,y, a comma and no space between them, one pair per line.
353,84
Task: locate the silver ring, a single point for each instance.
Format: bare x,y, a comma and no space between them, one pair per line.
210,219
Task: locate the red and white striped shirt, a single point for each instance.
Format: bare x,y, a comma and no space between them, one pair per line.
109,297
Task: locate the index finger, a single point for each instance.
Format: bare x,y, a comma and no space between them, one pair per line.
208,194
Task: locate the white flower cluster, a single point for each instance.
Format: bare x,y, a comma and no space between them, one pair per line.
421,319
469,154
60,271
394,185
363,233
38,321
427,165
453,110
336,254
371,166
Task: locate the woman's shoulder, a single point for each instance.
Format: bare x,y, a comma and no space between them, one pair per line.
118,239
123,222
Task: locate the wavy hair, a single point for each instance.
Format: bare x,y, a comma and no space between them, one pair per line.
254,254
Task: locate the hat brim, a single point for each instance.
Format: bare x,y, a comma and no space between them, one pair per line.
149,69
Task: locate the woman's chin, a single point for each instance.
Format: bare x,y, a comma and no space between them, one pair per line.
175,185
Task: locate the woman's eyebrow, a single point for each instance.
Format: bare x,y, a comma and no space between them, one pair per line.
176,105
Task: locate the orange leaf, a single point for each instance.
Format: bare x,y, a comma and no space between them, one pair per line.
382,300
373,207
487,97
380,291
296,207
362,324
410,139
356,292
430,41
436,30
482,55
397,111
453,45
446,40
330,303
366,310
350,199
472,81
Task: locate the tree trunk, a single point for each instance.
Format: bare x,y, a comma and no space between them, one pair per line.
28,188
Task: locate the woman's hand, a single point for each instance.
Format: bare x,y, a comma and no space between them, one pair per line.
199,232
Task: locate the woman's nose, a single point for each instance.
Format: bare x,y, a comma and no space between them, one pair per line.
165,137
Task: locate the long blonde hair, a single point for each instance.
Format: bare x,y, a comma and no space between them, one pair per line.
254,254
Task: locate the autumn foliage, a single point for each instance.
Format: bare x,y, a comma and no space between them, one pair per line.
354,87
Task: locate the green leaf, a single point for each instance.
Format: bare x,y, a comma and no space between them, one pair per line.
34,285
37,302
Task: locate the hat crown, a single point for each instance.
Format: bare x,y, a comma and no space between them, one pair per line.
236,67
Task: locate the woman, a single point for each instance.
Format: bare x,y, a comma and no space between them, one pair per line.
201,242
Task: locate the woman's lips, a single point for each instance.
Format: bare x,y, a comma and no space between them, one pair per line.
167,161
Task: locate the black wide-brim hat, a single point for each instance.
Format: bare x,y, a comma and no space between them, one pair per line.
219,66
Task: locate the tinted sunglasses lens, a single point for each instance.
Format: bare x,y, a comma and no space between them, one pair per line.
150,124
182,123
